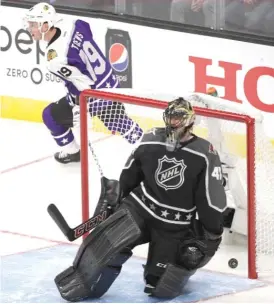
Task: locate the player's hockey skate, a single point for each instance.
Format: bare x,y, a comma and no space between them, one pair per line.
65,158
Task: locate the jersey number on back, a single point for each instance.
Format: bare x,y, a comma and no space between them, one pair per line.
95,63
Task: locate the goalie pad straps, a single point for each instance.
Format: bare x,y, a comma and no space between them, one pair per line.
102,246
172,282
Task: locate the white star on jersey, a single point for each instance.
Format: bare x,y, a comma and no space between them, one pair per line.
164,213
189,216
177,216
152,207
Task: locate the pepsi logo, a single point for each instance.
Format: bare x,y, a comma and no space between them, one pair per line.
118,57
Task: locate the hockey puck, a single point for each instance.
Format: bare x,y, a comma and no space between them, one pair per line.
232,263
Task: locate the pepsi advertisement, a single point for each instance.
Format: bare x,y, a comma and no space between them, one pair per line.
118,52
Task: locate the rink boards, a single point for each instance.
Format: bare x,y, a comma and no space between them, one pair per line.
31,110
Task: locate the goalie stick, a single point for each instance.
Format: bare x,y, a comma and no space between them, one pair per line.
108,200
74,233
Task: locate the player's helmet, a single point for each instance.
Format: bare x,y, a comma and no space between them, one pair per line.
41,13
179,118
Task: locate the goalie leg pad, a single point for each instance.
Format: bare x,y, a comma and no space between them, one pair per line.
102,283
104,246
110,273
172,282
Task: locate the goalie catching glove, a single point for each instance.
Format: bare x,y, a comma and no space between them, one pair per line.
110,196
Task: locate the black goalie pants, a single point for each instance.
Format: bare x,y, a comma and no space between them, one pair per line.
164,240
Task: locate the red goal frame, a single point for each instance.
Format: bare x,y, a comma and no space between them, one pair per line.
250,156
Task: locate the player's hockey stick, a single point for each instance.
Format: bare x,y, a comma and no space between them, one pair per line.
74,233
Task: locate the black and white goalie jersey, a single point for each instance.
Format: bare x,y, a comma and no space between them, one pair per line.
173,185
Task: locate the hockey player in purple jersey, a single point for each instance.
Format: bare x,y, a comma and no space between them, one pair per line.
73,55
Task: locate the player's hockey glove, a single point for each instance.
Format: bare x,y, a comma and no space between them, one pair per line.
110,196
199,247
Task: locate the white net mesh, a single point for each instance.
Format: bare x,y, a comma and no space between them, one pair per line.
229,138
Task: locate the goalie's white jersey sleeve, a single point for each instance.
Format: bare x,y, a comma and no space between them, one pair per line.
74,56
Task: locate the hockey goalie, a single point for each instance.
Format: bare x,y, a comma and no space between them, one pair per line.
172,176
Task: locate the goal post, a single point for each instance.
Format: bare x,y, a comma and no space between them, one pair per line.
147,109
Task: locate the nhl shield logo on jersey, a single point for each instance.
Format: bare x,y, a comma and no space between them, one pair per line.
51,54
170,173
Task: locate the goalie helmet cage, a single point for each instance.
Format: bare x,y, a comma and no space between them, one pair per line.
248,121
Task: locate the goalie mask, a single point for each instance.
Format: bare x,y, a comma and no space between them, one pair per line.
179,118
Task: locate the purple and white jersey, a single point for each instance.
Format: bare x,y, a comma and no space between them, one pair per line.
75,57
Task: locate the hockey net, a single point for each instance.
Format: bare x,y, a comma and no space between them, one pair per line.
236,133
